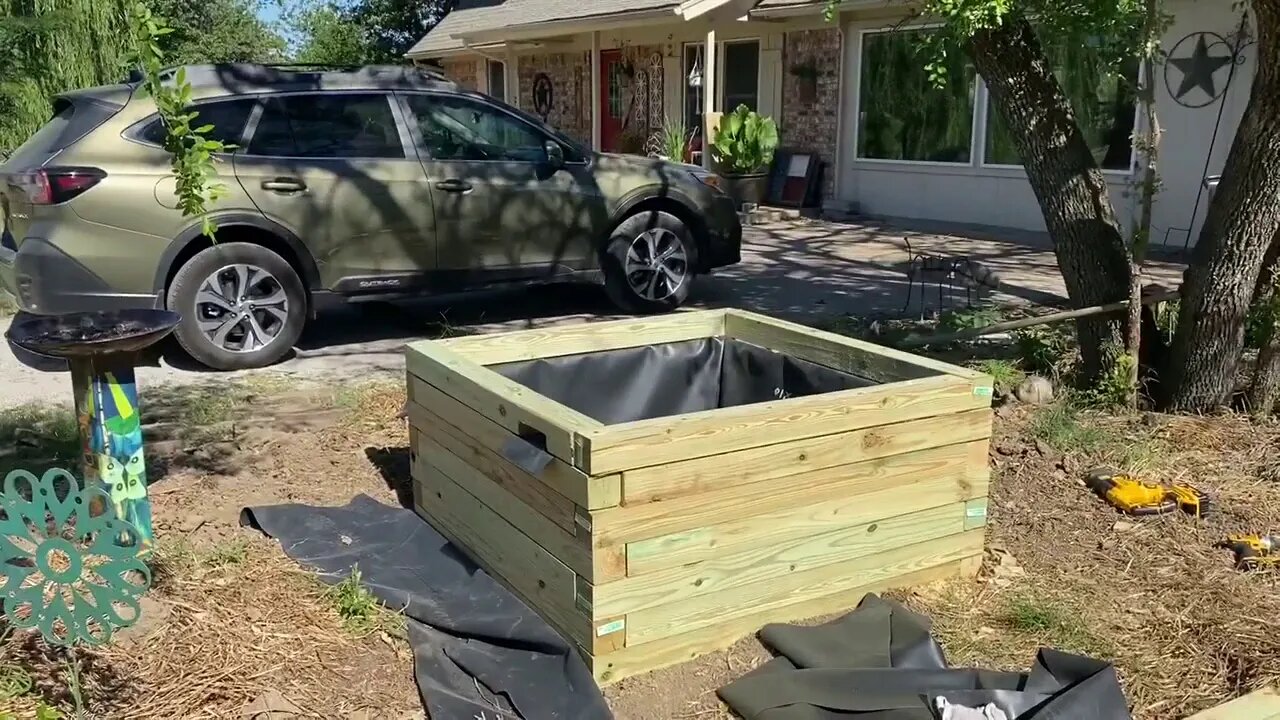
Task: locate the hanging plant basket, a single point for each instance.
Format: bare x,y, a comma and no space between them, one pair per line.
807,74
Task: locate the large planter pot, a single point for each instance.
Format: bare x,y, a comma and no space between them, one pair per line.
651,518
750,188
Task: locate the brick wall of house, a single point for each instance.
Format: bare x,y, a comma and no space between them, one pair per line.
462,72
809,114
570,76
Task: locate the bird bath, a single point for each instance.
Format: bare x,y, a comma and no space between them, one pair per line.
101,349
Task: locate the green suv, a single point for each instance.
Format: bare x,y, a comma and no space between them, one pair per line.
376,183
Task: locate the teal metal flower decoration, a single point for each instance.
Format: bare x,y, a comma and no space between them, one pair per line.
68,566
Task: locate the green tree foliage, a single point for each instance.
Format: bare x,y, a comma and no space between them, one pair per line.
356,32
329,39
195,175
52,46
216,31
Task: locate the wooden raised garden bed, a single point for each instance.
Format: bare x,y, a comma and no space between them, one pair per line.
658,488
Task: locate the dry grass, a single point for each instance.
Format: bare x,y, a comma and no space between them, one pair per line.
1185,629
231,618
221,629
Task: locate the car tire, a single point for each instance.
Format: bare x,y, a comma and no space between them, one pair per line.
632,280
227,326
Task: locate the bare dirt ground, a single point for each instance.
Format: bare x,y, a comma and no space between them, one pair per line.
233,627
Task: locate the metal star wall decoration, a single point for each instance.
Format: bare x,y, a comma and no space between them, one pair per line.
1198,69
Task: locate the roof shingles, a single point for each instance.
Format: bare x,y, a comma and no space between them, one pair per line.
480,15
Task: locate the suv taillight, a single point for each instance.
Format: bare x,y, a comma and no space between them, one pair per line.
50,186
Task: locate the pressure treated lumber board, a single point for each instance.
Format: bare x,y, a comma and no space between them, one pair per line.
735,534
505,402
627,524
705,610
644,657
648,542
521,345
841,352
590,492
781,460
659,441
525,567
764,566
1261,704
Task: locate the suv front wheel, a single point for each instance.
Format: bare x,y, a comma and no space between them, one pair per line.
648,263
242,306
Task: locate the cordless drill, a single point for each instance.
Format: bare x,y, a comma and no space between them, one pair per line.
1254,551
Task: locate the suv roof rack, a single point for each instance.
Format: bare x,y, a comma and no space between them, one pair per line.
267,73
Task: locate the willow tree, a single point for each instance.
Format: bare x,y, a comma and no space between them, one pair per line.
51,46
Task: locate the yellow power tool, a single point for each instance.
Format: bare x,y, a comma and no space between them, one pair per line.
1134,496
1254,551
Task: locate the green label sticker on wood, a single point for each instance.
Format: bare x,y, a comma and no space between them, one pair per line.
611,627
983,391
975,513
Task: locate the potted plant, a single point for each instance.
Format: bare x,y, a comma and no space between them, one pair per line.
806,73
670,142
743,149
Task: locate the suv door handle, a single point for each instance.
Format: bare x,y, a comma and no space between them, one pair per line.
454,185
284,185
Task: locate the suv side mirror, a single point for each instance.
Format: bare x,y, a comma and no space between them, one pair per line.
555,155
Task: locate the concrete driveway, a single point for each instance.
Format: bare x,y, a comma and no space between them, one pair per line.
795,270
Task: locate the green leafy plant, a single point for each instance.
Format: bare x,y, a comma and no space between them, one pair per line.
357,607
969,318
1046,349
745,141
671,141
1006,375
192,152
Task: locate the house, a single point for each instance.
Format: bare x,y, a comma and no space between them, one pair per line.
853,91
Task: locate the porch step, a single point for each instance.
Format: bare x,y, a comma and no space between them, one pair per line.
764,214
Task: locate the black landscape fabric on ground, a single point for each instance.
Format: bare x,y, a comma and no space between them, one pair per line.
879,662
479,652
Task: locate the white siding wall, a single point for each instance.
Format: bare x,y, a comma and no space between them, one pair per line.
1188,131
1001,196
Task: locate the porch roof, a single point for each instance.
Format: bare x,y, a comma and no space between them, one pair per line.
473,17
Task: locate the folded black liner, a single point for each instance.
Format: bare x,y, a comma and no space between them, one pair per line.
880,662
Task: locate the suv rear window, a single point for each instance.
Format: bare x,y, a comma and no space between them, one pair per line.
342,125
72,120
227,117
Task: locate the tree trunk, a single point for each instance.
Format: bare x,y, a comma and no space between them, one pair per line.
1217,288
1067,181
1265,389
1149,145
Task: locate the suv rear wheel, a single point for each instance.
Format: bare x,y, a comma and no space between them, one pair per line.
648,263
242,306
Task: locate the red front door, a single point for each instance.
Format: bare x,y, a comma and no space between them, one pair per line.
611,103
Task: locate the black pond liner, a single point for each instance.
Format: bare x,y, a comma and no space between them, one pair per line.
618,386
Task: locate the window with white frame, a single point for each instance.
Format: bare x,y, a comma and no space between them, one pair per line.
738,78
741,75
1102,95
497,79
902,113
693,84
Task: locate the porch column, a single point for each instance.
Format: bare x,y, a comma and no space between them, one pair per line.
709,94
595,91
512,79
